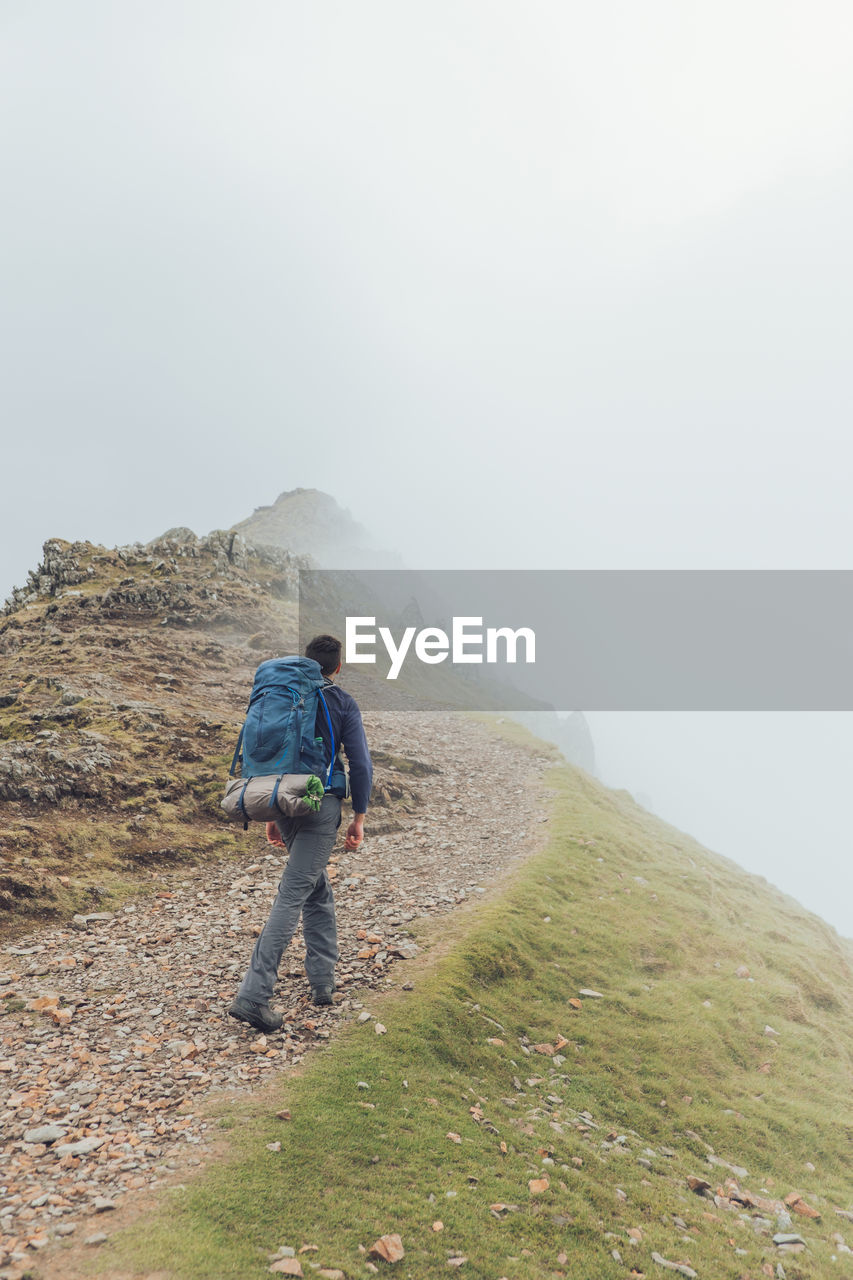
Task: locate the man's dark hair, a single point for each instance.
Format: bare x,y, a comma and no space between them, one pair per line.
327,651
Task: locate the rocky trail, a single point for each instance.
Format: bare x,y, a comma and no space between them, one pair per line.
115,1037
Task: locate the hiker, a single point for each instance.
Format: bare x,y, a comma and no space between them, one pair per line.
304,887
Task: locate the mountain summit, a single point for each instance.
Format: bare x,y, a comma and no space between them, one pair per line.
310,522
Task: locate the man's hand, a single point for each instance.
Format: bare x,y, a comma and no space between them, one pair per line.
355,832
274,835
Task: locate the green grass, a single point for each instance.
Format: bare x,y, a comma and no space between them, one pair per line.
670,1061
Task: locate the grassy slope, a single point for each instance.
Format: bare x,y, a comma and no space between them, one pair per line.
675,1057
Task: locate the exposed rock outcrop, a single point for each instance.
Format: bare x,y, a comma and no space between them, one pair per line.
175,578
41,772
60,568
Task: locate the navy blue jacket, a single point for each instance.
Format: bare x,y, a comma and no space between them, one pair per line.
349,733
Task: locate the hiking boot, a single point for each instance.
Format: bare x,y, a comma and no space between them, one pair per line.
322,995
259,1016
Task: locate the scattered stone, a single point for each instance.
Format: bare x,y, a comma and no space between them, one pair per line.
590,994
724,1164
94,917
796,1202
681,1267
98,1238
405,950
389,1248
82,1148
783,1237
47,1133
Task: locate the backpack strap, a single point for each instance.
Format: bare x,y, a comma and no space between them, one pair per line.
332,736
242,805
237,749
298,707
274,795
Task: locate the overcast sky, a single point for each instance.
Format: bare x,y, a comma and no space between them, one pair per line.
549,284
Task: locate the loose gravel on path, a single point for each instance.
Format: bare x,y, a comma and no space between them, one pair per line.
123,1033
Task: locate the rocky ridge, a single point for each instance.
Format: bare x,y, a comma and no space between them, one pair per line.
68,566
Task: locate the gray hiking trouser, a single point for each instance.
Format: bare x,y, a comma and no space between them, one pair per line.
304,888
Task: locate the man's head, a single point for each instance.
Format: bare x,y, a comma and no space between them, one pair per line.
327,651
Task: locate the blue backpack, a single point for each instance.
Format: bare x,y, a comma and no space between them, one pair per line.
278,732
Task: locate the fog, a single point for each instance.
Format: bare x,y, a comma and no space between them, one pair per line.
558,286
767,790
